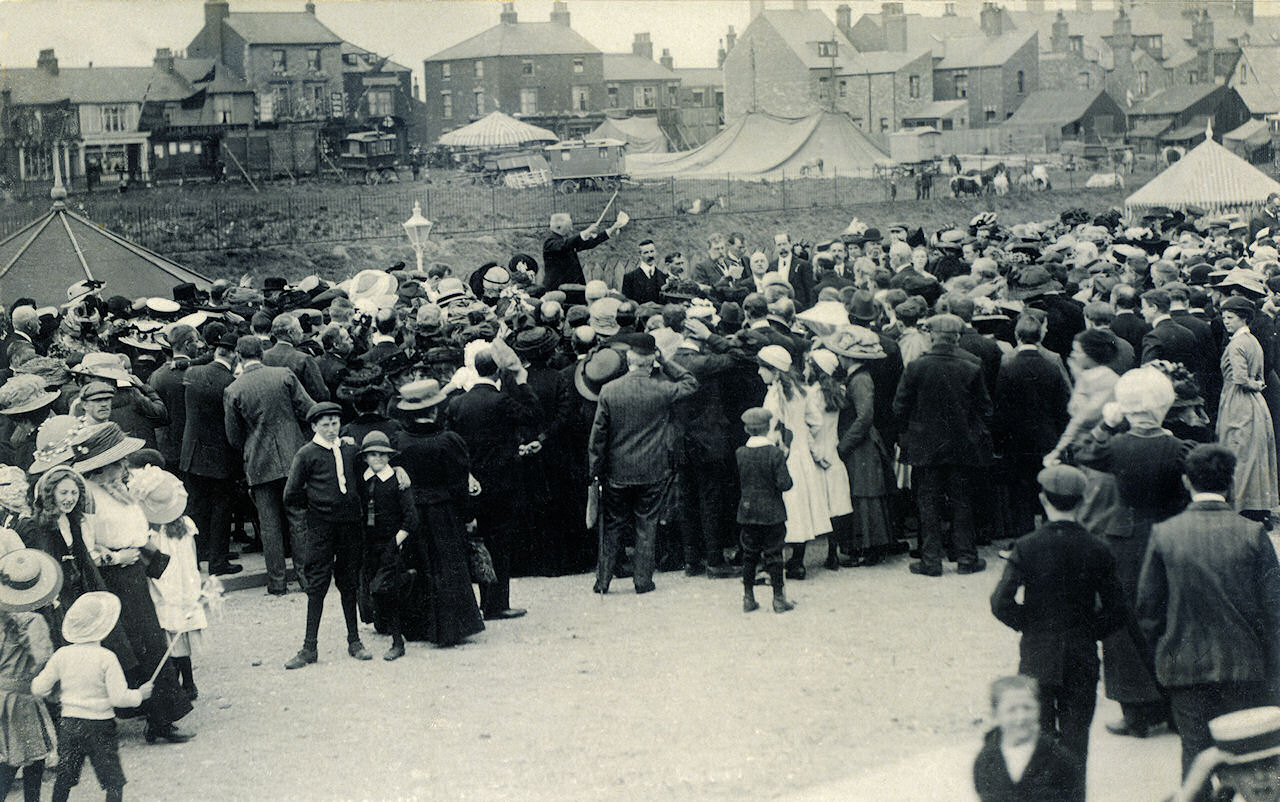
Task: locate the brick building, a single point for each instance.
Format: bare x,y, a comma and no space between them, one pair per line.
544,73
290,59
378,94
994,71
701,105
1180,115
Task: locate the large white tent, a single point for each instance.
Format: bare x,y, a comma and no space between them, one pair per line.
1210,177
496,130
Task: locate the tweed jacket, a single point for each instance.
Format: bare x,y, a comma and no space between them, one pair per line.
1209,598
263,412
204,447
944,410
633,437
304,366
763,477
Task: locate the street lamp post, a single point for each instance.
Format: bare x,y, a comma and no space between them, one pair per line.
418,228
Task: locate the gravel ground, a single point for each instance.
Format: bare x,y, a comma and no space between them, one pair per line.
676,694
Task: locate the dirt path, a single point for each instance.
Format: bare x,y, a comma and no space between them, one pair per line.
676,694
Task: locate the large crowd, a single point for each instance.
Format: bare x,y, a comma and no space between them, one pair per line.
1104,391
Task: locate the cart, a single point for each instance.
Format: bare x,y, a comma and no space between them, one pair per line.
369,156
586,164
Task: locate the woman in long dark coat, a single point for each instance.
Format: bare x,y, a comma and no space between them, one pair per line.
438,466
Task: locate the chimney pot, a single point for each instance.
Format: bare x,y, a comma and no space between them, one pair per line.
47,61
311,9
560,13
508,16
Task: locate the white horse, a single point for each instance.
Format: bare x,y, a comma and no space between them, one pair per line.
1001,183
1105,181
1040,174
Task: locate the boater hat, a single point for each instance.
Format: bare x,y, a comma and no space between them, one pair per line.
422,394
29,579
1247,735
91,617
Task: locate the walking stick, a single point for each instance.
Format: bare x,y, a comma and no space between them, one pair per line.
600,219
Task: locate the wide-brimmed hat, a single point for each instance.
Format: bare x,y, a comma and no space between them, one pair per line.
1247,735
51,370
102,365
419,395
377,442
536,342
1031,282
29,580
855,342
363,383
322,408
601,367
101,445
53,442
161,494
824,317
25,393
776,357
91,617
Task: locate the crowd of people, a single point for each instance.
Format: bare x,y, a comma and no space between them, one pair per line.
1105,391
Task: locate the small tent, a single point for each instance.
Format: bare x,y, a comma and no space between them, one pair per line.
496,130
641,134
1210,177
48,255
763,145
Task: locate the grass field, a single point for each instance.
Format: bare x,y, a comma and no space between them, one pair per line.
334,229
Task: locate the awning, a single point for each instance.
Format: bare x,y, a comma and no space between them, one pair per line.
1148,129
1253,133
1186,133
938,109
380,80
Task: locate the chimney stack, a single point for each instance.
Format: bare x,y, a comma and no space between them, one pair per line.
1244,9
47,61
642,46
844,19
1060,39
311,9
894,21
720,55
508,15
164,59
990,19
560,13
730,39
215,11
666,60
1202,31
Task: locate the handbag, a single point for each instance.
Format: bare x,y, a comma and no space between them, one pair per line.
153,561
479,562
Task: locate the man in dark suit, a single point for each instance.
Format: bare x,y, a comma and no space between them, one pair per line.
945,411
1098,315
1030,404
208,461
334,362
264,410
885,373
382,341
1128,324
630,454
1061,621
491,420
1166,340
1208,369
1065,316
718,265
167,381
287,332
560,263
1209,604
984,348
644,284
798,271
1269,218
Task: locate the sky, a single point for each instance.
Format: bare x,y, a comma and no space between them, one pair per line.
127,32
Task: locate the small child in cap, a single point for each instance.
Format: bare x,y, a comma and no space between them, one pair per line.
176,591
762,516
92,685
391,519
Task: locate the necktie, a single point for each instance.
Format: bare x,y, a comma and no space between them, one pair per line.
337,463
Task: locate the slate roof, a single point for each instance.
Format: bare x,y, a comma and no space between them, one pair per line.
926,32
362,65
280,28
1261,88
225,81
971,52
630,67
31,86
1054,107
882,61
700,76
1173,100
519,39
802,30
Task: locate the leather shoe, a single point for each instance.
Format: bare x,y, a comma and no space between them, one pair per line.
694,569
723,571
974,567
510,612
304,657
356,649
168,732
1124,728
749,604
394,653
226,569
650,588
599,589
795,572
924,570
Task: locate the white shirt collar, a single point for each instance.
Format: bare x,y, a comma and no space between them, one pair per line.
1209,497
384,474
325,444
223,363
479,380
758,441
649,270
382,338
1160,319
1027,347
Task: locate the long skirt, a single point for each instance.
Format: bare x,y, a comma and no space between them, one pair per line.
1244,426
440,606
1126,663
168,701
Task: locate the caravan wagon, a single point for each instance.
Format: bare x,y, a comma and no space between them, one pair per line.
586,164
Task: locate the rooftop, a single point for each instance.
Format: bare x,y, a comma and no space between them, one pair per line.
519,39
94,85
1260,89
280,28
1054,107
964,52
367,60
630,67
925,32
804,30
1174,99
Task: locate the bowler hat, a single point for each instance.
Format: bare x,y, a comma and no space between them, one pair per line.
639,342
322,408
91,617
186,294
274,284
862,306
1062,480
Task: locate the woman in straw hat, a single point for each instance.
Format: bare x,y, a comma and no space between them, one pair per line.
438,467
794,411
866,458
29,581
119,537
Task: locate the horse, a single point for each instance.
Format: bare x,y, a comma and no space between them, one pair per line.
965,185
1105,181
1040,174
1000,184
1026,181
700,205
954,161
811,167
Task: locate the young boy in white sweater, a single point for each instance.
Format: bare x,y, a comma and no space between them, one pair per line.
92,685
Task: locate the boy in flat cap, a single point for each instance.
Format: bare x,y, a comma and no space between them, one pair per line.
762,516
1071,600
